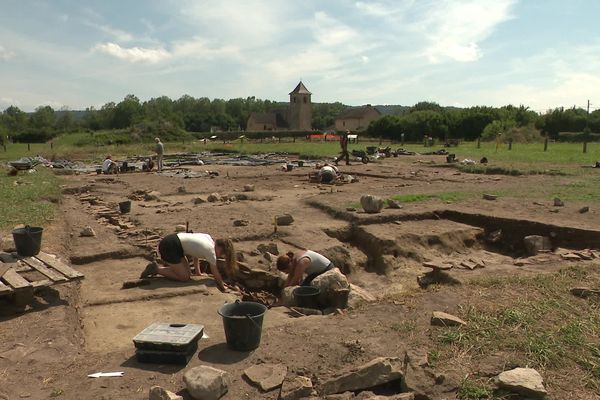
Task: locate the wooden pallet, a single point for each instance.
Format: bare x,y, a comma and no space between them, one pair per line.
15,272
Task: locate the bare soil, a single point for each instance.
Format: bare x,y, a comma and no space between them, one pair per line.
77,329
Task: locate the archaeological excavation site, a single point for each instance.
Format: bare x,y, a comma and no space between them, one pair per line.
442,284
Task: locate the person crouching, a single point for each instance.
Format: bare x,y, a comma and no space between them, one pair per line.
302,267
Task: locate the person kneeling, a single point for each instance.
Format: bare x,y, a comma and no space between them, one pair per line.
302,267
176,247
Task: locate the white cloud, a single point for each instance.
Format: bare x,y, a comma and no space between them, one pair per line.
455,29
117,34
134,54
201,48
5,54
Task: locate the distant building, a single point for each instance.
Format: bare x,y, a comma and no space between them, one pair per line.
296,117
356,118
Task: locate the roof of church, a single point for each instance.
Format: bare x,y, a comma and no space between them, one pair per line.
356,112
300,89
275,118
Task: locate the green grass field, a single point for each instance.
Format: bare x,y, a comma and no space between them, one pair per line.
521,156
29,198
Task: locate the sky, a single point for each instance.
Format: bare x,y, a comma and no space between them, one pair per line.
78,53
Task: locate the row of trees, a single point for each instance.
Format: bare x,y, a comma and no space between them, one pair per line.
169,118
427,118
161,114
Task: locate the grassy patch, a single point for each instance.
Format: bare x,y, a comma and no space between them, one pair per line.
536,320
29,198
471,390
450,197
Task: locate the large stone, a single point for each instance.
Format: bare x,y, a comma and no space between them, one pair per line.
536,243
296,388
558,202
329,283
268,248
206,383
266,376
359,295
198,200
524,381
371,204
153,195
394,204
180,228
241,222
419,378
87,232
249,188
284,219
287,296
377,372
158,393
443,319
213,197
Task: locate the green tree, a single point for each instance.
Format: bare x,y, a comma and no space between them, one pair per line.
126,112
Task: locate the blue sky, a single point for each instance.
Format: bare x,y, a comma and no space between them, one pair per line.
75,54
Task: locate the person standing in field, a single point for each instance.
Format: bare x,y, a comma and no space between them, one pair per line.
344,147
160,150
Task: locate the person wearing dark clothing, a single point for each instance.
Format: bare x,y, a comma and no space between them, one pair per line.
344,146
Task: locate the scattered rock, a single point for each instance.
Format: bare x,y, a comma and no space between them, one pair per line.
206,383
489,196
437,276
583,210
437,265
585,292
284,220
87,232
494,236
420,380
359,295
443,319
524,381
158,393
570,257
153,195
268,248
379,371
179,228
296,388
536,243
266,376
558,202
254,253
181,189
248,188
241,222
371,396
351,209
198,200
371,204
213,197
394,204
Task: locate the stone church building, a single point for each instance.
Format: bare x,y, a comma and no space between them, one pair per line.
295,117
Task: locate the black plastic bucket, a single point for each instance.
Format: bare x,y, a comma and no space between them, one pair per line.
301,163
28,240
125,206
307,296
242,321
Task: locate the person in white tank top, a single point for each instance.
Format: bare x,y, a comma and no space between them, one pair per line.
302,267
176,247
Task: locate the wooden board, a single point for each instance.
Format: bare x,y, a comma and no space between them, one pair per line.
15,280
4,289
59,266
41,268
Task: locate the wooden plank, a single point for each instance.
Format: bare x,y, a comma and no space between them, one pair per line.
4,289
44,282
4,267
16,281
41,268
59,266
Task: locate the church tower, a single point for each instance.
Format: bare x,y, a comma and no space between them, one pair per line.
300,114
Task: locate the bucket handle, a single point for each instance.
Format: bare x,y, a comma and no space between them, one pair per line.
237,301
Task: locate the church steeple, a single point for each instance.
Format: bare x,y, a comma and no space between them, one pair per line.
300,117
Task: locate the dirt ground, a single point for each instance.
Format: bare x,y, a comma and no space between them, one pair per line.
77,329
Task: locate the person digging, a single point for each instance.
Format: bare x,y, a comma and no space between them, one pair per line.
174,250
303,267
